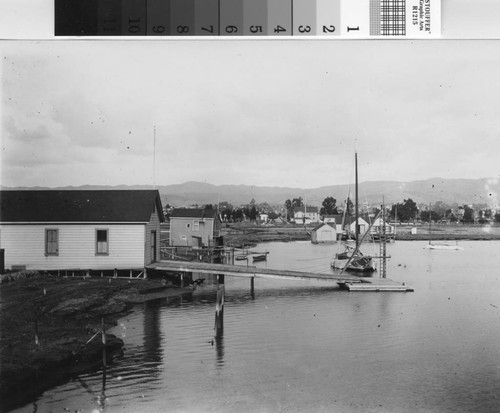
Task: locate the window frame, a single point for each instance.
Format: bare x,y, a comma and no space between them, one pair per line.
47,252
106,230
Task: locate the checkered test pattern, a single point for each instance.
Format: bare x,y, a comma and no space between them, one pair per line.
387,17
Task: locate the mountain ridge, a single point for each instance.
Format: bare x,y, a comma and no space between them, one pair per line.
451,191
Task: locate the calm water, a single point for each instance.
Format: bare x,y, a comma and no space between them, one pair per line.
305,346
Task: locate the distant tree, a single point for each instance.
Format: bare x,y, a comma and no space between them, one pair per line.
288,208
406,211
208,206
434,216
253,213
440,209
497,217
273,215
468,215
329,206
237,215
349,208
297,203
226,211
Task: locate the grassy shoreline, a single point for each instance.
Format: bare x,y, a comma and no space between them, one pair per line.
247,234
63,313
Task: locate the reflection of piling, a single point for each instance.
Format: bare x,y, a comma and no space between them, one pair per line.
252,286
101,399
2,261
103,334
219,307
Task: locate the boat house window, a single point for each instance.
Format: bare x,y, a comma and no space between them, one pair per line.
51,242
196,225
102,242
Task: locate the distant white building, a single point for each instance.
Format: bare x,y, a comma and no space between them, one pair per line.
334,220
378,228
306,215
362,225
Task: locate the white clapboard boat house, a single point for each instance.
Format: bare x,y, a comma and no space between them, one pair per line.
80,229
323,233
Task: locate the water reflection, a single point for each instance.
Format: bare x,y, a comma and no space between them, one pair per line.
153,352
219,321
307,346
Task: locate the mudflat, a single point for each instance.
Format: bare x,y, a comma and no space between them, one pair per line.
47,322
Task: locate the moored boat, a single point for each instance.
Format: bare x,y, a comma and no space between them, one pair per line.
262,257
352,259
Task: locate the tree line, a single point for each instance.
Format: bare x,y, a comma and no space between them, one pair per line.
405,211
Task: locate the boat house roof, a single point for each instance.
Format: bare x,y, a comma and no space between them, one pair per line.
322,225
79,205
193,213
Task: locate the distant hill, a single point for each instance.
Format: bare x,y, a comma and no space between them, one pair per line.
460,191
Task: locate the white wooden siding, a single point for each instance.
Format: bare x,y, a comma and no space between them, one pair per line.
25,245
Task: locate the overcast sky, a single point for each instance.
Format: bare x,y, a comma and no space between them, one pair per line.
266,113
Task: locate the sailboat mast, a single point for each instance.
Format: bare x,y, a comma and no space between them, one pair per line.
430,214
356,231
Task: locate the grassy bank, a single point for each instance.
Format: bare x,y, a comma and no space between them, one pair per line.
47,321
249,234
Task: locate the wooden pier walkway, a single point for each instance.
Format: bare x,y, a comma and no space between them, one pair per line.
245,271
347,281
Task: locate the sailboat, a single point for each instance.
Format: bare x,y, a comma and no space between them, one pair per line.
441,245
352,259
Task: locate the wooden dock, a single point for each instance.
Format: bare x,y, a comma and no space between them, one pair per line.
375,284
347,281
249,271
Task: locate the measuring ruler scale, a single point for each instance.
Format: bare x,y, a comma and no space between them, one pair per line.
253,18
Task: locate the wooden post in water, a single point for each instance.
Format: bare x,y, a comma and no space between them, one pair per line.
383,245
103,335
252,285
2,261
219,307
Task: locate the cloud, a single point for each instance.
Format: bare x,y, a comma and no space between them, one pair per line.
263,113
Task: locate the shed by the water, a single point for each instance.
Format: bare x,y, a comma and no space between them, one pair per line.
323,233
80,229
194,227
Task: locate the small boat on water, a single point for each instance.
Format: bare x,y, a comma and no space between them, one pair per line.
261,257
439,245
443,246
353,260
241,257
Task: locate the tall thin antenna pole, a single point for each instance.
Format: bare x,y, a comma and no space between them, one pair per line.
154,157
356,232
